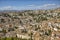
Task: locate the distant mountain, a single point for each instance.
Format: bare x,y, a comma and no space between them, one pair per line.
54,9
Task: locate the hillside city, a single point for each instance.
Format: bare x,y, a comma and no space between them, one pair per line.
30,25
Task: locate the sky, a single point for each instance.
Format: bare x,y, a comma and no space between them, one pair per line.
28,4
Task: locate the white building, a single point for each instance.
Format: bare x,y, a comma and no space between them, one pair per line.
23,36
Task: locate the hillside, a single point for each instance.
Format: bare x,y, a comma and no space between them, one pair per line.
31,24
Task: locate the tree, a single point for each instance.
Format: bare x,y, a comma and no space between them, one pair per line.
5,38
12,38
48,32
2,20
4,31
31,36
